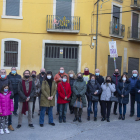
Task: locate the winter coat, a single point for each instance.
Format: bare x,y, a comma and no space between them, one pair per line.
115,80
79,87
100,79
123,91
22,97
5,81
62,94
37,86
46,93
133,81
91,90
60,75
137,94
72,80
6,104
107,91
14,79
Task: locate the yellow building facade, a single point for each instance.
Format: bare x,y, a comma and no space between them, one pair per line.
30,33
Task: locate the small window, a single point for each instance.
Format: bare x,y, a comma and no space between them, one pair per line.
11,54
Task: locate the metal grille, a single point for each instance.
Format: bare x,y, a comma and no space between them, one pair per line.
70,53
11,54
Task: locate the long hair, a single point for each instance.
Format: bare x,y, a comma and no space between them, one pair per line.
125,76
72,72
2,89
49,72
108,77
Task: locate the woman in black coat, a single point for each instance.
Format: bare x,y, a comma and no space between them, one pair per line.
137,98
93,92
123,89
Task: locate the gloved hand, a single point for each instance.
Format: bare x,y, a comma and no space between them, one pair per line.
78,96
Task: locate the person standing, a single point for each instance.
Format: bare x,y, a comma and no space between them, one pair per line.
108,89
93,92
123,89
72,78
26,90
133,81
47,98
4,81
58,79
115,79
41,76
37,85
64,93
79,90
14,78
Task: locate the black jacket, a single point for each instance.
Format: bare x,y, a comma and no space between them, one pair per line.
14,79
123,91
72,80
137,88
6,82
100,79
91,89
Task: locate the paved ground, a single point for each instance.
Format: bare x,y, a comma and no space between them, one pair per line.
87,130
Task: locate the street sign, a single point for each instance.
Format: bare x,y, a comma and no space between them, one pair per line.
113,49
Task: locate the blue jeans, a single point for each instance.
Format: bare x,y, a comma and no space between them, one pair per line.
138,109
16,96
57,103
9,120
62,111
95,109
42,114
120,109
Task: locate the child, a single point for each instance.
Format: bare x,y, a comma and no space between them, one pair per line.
6,108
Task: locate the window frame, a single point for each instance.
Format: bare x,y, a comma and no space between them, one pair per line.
12,17
3,49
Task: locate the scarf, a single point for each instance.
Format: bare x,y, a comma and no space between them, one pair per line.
86,72
50,84
25,104
116,78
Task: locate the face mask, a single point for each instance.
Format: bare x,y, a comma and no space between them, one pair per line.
71,75
43,73
79,77
97,74
33,76
135,75
64,80
108,81
49,77
5,90
14,72
26,76
61,71
124,78
92,80
3,76
116,73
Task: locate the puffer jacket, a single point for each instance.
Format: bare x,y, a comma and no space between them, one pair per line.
6,104
91,90
107,91
79,87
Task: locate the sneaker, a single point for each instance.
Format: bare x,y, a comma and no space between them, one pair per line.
7,131
10,128
31,126
1,131
137,119
53,124
18,126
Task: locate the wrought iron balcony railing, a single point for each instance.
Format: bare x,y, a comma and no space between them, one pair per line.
133,34
68,24
117,30
135,4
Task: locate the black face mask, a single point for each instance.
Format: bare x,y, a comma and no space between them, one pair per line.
33,76
42,73
79,77
108,81
116,73
26,76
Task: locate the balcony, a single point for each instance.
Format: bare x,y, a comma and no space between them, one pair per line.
63,24
120,1
133,34
116,30
135,4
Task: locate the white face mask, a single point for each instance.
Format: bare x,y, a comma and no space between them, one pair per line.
49,76
61,71
124,78
71,75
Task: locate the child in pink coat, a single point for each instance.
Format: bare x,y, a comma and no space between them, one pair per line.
6,108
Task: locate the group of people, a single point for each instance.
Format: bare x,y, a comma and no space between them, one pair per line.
76,91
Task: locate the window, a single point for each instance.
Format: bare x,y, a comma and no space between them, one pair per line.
12,9
10,53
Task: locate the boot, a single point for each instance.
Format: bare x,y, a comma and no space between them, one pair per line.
10,128
75,119
123,118
79,119
88,118
120,117
95,118
108,120
137,119
103,119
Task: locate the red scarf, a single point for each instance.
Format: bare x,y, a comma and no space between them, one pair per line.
25,104
86,72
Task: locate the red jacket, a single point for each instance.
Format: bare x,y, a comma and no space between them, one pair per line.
61,93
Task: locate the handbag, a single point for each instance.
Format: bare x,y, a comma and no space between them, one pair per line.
95,98
69,99
113,98
78,104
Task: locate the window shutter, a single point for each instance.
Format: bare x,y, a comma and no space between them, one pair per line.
12,7
116,9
